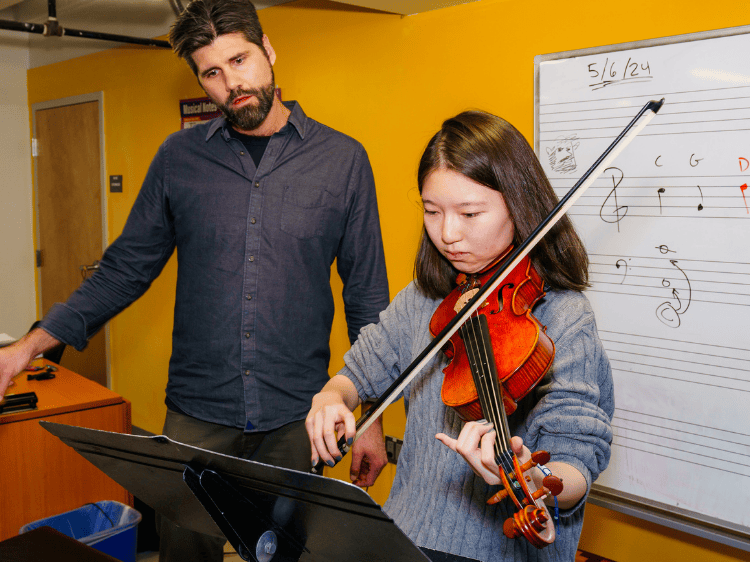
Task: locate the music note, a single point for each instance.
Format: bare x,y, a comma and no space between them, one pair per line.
664,249
700,205
659,192
743,189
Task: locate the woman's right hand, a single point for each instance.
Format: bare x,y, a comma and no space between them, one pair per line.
330,417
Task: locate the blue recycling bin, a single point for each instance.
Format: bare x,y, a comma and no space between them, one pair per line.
108,526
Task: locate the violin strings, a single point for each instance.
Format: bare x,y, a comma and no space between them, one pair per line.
479,352
495,401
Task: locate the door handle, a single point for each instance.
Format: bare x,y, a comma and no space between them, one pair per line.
86,268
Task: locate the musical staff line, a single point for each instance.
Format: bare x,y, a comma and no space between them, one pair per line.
706,384
703,301
688,371
692,344
690,176
722,450
586,107
617,127
745,369
712,467
734,434
646,97
687,264
693,112
650,134
642,345
630,275
695,290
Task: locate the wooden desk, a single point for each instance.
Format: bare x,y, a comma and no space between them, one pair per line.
39,475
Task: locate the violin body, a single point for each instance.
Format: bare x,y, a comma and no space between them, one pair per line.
523,352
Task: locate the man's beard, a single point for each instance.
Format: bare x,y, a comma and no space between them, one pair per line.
250,116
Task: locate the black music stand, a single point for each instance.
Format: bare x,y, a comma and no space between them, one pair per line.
267,513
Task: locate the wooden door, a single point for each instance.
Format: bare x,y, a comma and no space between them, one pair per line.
69,203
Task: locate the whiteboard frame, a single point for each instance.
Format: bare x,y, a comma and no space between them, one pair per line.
690,522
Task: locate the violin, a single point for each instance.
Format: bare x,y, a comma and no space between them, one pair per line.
496,357
526,349
530,513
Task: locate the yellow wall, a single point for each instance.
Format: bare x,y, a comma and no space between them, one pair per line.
389,82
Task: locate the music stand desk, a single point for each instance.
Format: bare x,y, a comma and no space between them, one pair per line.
309,517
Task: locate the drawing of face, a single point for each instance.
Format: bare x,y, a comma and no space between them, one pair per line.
562,154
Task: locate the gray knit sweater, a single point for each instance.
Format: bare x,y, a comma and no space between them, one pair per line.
436,499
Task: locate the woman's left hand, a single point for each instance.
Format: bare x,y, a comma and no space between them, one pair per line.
476,444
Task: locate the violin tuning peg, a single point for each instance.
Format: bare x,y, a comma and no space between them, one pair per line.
553,484
540,457
497,498
510,529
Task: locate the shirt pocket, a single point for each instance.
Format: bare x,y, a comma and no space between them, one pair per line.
305,210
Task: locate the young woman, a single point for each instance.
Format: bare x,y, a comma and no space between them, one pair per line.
483,190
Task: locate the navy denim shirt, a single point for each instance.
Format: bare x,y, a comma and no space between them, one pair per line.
254,305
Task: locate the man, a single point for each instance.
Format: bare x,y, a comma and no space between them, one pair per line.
258,204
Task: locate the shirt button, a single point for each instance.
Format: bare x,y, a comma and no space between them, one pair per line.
247,373
257,184
251,258
252,220
247,334
249,297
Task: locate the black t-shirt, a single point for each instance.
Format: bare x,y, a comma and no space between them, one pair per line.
255,146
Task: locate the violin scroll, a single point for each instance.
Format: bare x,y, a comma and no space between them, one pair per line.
532,522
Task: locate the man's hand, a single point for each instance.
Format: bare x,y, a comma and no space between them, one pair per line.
15,357
12,361
368,456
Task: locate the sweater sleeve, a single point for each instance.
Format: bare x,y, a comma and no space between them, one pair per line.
383,350
575,401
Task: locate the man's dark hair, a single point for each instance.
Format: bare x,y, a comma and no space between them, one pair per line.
202,21
490,151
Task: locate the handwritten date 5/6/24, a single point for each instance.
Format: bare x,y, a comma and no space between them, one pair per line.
613,71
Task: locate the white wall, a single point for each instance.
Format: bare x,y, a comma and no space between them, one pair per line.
17,281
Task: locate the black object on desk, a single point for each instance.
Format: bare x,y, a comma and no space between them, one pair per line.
18,402
47,544
268,514
47,372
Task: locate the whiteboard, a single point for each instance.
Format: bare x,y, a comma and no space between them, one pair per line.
667,228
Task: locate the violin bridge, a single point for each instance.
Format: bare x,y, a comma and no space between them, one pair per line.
465,298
